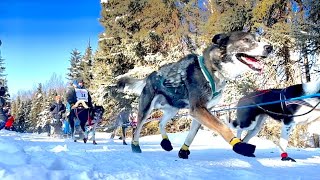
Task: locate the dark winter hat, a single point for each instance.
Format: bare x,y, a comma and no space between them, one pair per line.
80,81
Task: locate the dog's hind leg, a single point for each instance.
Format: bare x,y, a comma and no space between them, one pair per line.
93,130
283,144
83,128
135,140
260,119
194,128
167,115
124,135
114,132
146,105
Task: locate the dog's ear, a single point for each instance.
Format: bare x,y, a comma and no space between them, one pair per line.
220,39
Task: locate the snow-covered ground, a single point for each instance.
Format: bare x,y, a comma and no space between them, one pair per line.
33,156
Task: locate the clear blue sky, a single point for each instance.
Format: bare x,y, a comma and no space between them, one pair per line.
38,36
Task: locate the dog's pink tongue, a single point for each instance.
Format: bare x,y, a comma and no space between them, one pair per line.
254,63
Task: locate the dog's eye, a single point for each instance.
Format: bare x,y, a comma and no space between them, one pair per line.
246,40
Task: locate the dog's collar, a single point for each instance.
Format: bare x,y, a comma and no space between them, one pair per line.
208,76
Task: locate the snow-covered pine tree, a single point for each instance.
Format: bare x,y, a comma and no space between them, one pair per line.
137,33
36,107
3,79
86,66
74,69
45,114
23,122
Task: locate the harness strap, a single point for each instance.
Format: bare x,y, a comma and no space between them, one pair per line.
208,76
77,114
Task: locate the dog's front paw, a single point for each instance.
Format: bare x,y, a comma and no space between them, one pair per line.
136,148
184,154
166,145
244,149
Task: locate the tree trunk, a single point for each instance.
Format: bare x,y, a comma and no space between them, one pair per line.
287,63
306,67
316,140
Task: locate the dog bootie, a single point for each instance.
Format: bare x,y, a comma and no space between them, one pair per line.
184,154
285,157
242,148
166,145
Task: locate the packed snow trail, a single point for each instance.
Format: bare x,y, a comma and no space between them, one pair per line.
33,156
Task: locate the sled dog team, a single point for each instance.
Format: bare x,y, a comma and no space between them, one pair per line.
197,82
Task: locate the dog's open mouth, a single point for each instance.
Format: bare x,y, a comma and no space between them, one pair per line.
250,61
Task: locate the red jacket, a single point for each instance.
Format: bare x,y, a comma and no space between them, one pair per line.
9,122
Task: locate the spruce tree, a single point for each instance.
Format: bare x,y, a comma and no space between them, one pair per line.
75,68
36,107
137,33
86,66
3,79
45,114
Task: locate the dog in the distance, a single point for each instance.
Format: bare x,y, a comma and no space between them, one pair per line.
197,82
86,120
91,125
125,119
289,113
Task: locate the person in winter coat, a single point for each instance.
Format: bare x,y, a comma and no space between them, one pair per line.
9,123
71,100
74,95
57,110
3,116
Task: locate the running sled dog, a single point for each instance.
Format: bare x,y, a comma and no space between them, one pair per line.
84,123
125,119
304,108
197,82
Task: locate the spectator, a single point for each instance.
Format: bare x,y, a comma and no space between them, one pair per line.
3,116
57,110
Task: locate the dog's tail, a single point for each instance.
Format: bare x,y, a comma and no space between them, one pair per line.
312,87
110,129
131,85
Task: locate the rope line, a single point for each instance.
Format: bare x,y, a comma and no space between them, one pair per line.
268,103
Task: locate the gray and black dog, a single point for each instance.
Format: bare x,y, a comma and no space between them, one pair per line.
196,82
256,107
124,120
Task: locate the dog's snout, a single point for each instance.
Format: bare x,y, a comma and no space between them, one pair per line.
268,48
